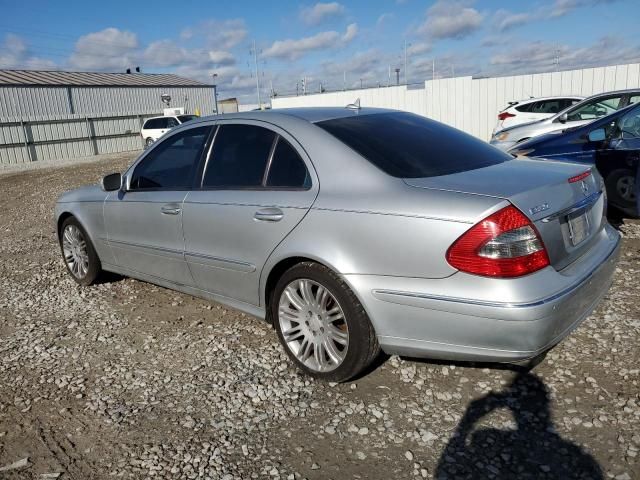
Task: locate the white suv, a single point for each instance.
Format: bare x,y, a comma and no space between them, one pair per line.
155,127
533,109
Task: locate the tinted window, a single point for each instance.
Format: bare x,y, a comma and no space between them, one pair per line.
524,108
409,146
634,99
172,163
239,158
287,168
629,124
546,106
156,123
172,122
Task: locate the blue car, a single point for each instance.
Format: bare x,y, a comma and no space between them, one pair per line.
611,143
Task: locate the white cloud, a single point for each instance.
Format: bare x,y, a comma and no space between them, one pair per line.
505,20
218,34
419,48
107,49
450,19
321,12
292,49
541,56
221,57
15,54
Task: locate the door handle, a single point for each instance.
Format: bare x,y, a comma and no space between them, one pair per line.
170,209
269,215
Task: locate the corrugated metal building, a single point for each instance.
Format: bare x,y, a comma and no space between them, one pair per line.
48,115
26,93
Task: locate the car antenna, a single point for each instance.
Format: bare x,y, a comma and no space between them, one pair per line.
354,106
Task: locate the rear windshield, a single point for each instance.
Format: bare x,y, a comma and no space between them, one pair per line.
405,145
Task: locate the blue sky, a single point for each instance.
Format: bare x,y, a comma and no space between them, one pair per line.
329,43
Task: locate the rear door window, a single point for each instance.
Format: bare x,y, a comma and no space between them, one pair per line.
287,169
239,157
405,145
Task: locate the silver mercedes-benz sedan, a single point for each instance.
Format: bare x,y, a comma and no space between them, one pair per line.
353,230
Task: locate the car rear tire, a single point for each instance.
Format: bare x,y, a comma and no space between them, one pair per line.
78,253
148,142
620,185
321,323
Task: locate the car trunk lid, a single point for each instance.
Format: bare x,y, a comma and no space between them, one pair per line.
563,201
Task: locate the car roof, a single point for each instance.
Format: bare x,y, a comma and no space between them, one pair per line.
555,97
310,114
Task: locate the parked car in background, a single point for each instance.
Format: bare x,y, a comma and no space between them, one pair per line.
612,144
581,113
353,230
532,110
155,127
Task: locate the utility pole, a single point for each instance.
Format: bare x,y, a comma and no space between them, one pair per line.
344,80
360,82
406,72
255,60
215,92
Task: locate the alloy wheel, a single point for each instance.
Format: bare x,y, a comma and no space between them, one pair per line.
74,248
626,187
313,325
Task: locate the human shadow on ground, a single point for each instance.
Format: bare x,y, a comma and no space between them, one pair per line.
533,451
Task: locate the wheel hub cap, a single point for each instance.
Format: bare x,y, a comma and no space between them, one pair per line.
313,325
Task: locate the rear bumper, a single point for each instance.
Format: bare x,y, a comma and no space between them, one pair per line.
492,319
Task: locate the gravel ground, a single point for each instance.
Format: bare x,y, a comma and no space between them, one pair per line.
129,380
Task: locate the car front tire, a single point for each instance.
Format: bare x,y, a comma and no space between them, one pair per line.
78,253
321,323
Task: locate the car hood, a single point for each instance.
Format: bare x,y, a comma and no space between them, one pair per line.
88,193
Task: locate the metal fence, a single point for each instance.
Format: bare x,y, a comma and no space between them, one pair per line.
472,104
68,136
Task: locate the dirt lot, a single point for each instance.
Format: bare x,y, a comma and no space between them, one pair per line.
129,380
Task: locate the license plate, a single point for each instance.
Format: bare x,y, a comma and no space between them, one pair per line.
578,228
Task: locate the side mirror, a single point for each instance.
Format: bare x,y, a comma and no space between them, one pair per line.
111,182
563,118
597,135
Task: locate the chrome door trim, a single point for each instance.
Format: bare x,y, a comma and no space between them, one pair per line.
220,262
141,245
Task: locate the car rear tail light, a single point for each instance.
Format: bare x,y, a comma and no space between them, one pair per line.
577,178
505,245
505,115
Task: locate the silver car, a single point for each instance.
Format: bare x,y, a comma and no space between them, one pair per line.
354,230
581,113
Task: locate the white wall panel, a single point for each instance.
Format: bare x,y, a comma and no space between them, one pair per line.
472,104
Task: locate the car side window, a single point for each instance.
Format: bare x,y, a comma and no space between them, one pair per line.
525,108
634,99
171,165
629,125
150,124
239,157
287,169
595,109
546,106
172,122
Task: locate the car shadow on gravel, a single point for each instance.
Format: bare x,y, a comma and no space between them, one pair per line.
534,450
